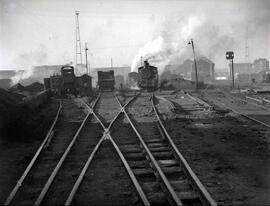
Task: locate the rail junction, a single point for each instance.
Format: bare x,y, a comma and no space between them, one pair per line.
158,172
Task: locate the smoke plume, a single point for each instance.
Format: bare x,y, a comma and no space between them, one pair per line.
213,34
28,60
171,42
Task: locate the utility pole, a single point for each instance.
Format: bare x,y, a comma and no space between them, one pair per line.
195,63
78,42
86,62
111,63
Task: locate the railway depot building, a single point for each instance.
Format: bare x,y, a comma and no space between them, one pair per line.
205,70
260,65
250,72
183,69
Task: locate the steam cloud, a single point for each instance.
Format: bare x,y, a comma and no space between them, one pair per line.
211,37
28,59
171,43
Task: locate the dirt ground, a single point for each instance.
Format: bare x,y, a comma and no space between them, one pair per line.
229,153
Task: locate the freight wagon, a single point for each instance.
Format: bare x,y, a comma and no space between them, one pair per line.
106,80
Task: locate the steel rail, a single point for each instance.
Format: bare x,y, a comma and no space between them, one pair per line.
167,184
129,170
122,108
244,115
171,104
131,175
82,174
58,166
30,165
254,99
249,102
244,100
90,158
266,100
204,193
260,101
61,161
106,133
198,100
95,115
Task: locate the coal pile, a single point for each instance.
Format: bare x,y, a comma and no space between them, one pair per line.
8,99
17,88
27,90
17,121
34,87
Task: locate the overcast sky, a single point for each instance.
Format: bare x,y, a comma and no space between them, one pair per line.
35,32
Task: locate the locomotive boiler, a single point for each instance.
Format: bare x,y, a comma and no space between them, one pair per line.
148,77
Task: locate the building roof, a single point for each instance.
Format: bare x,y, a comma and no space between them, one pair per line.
205,59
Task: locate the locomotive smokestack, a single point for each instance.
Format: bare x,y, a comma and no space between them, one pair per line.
146,64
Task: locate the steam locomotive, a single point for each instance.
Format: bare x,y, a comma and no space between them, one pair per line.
148,77
106,80
68,83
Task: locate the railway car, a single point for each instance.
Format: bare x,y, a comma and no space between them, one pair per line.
148,77
106,80
68,83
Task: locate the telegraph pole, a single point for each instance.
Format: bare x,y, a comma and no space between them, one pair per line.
78,41
195,63
86,62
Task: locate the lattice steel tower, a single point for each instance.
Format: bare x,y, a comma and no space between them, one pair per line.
78,42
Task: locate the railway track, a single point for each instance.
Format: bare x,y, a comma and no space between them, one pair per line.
162,172
154,168
107,108
103,148
250,110
46,157
183,104
66,171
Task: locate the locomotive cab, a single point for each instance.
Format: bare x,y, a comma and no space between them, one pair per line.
69,80
106,80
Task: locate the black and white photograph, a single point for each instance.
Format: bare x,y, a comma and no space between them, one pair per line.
135,102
